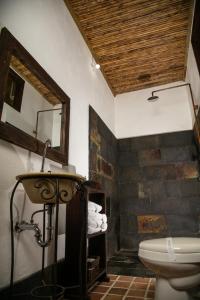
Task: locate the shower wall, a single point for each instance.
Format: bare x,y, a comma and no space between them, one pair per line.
151,182
158,187
103,169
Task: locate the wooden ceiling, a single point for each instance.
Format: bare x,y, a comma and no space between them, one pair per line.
138,43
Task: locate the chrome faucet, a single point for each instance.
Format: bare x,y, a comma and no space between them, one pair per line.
46,145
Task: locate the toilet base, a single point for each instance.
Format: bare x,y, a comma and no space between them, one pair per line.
164,291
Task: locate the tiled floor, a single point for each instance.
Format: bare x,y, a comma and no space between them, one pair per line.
124,287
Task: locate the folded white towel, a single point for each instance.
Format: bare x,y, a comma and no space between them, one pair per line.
104,227
94,222
97,216
92,230
94,207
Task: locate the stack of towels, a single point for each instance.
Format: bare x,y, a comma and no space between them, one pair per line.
96,221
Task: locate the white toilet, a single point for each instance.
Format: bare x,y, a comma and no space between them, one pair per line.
176,263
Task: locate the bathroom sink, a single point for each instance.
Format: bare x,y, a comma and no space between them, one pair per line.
47,187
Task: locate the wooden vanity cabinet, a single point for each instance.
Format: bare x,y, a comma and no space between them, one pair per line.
80,246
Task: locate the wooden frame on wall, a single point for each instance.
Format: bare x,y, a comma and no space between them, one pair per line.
39,78
196,35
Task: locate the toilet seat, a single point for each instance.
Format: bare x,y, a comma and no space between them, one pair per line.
176,249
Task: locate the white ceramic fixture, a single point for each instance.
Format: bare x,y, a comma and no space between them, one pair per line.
176,263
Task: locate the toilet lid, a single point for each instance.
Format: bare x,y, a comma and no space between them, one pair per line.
178,244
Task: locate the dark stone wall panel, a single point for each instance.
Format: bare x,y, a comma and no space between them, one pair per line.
103,168
165,198
151,181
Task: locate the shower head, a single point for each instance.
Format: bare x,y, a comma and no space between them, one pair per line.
153,98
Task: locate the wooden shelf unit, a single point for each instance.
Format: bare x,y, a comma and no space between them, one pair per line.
80,245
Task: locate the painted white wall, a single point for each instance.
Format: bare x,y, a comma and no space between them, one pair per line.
26,118
135,116
192,75
46,29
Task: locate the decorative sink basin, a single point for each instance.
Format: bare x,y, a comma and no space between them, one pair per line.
48,188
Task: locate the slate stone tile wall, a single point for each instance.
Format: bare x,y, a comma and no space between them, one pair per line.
103,169
159,193
150,181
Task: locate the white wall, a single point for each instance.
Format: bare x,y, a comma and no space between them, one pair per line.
135,116
26,118
192,75
46,29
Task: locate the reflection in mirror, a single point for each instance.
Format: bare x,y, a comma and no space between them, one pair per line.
48,125
41,120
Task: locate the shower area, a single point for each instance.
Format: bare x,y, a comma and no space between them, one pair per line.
151,188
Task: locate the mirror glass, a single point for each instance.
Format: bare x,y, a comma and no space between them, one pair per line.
30,107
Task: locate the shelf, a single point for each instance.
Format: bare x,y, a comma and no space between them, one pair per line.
95,234
101,272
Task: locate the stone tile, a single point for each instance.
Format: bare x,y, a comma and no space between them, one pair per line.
155,189
125,278
139,285
133,298
128,242
100,289
176,138
96,296
185,224
152,224
142,280
129,174
149,157
113,297
124,145
122,284
187,170
172,188
126,159
136,293
128,224
175,154
105,283
145,142
150,294
193,204
128,190
190,187
170,205
117,291
127,204
112,277
164,172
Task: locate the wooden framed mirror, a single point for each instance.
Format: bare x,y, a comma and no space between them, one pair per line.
195,34
33,108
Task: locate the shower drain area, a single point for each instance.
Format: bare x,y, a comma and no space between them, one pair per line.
128,263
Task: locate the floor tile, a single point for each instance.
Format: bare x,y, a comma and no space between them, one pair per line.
96,296
136,293
112,277
122,284
142,279
100,289
139,285
133,298
117,291
113,297
125,278
124,287
150,294
105,283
